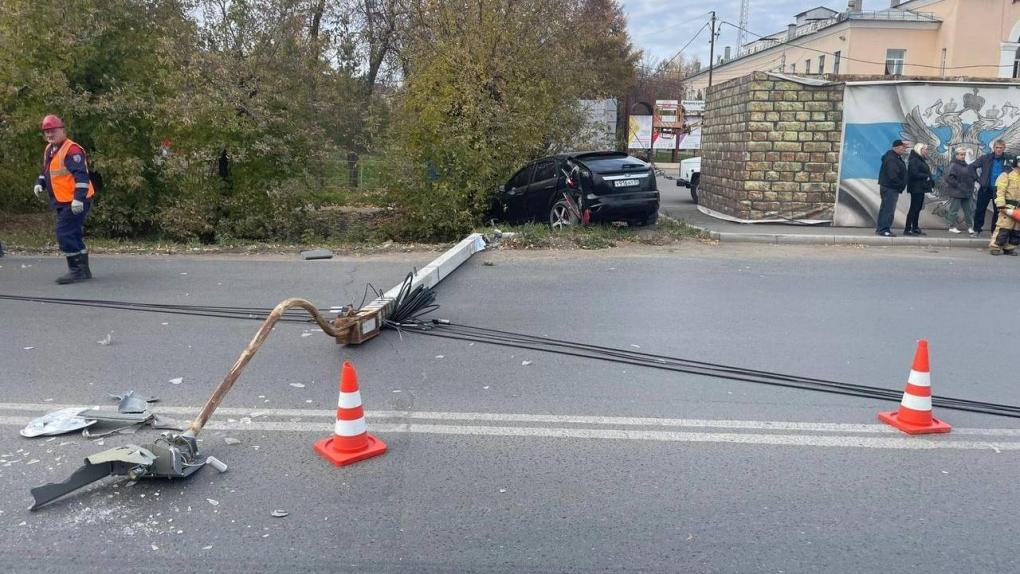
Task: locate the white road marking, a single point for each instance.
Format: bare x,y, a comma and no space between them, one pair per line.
759,434
330,415
902,443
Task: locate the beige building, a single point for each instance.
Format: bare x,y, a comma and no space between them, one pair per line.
946,38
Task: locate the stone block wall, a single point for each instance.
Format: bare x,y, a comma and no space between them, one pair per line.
770,149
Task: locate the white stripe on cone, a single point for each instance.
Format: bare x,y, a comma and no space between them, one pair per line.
350,428
919,379
350,400
916,403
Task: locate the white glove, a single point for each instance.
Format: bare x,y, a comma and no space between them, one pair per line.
38,191
77,207
1009,211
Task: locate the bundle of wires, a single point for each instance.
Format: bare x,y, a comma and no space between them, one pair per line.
410,304
252,313
450,330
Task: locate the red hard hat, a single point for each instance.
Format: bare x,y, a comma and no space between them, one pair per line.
51,121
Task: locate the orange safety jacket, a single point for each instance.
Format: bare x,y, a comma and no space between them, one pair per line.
61,179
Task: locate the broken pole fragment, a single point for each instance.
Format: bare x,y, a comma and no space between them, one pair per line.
356,327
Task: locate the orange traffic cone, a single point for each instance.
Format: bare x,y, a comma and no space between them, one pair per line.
350,442
914,416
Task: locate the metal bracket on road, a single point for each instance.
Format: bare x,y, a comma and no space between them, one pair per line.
356,327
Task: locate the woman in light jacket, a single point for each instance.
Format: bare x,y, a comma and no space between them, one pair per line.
960,187
919,182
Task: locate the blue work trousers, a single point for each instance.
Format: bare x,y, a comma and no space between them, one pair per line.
71,228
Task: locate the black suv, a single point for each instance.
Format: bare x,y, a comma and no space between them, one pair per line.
605,186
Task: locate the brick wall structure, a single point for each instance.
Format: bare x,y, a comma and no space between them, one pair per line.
770,149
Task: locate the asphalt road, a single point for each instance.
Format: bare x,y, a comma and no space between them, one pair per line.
506,460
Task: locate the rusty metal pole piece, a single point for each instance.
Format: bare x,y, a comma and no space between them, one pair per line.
249,352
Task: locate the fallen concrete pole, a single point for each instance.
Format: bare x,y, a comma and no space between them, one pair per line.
356,327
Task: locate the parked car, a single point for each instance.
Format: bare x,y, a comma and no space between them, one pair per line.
606,185
690,175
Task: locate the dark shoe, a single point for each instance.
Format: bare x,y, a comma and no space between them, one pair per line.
75,271
908,232
85,265
917,231
1013,253
995,251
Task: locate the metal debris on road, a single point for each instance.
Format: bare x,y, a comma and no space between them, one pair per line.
297,385
280,513
231,440
106,340
525,363
213,502
176,381
131,402
58,422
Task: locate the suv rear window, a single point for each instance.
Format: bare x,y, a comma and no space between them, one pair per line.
610,164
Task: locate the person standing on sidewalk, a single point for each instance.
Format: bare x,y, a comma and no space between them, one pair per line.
1006,234
892,180
65,181
989,167
960,187
919,182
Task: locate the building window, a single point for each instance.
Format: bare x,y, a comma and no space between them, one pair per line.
821,64
894,62
793,68
835,62
807,66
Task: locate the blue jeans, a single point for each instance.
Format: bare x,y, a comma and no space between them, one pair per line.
887,211
71,228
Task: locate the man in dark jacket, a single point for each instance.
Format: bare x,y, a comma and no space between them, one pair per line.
989,168
892,180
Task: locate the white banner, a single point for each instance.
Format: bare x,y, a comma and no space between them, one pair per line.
639,132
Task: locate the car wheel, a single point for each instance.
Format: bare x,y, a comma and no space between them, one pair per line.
694,188
652,219
561,216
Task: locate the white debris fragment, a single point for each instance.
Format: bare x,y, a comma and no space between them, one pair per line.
279,513
486,387
439,356
33,461
306,334
231,440
106,340
176,380
397,390
213,502
525,363
154,547
636,346
164,324
298,385
184,273
207,547
216,463
502,490
28,348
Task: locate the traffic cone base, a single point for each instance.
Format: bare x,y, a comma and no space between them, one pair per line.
327,450
892,418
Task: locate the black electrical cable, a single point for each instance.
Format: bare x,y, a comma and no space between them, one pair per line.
449,330
410,304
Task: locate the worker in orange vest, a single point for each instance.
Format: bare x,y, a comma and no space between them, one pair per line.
65,180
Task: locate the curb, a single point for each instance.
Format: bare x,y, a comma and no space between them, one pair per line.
799,239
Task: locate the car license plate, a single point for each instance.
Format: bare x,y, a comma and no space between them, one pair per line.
627,182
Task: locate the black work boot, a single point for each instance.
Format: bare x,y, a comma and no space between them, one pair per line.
85,265
75,272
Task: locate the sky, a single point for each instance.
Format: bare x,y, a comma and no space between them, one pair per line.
661,27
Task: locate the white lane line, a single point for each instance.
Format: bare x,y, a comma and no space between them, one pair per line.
901,443
529,418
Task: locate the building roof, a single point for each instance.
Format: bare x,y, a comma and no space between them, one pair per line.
830,10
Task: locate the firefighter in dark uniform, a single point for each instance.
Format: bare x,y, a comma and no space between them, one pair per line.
65,181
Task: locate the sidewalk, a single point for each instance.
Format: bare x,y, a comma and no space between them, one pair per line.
676,202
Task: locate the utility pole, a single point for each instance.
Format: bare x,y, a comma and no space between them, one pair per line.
711,51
